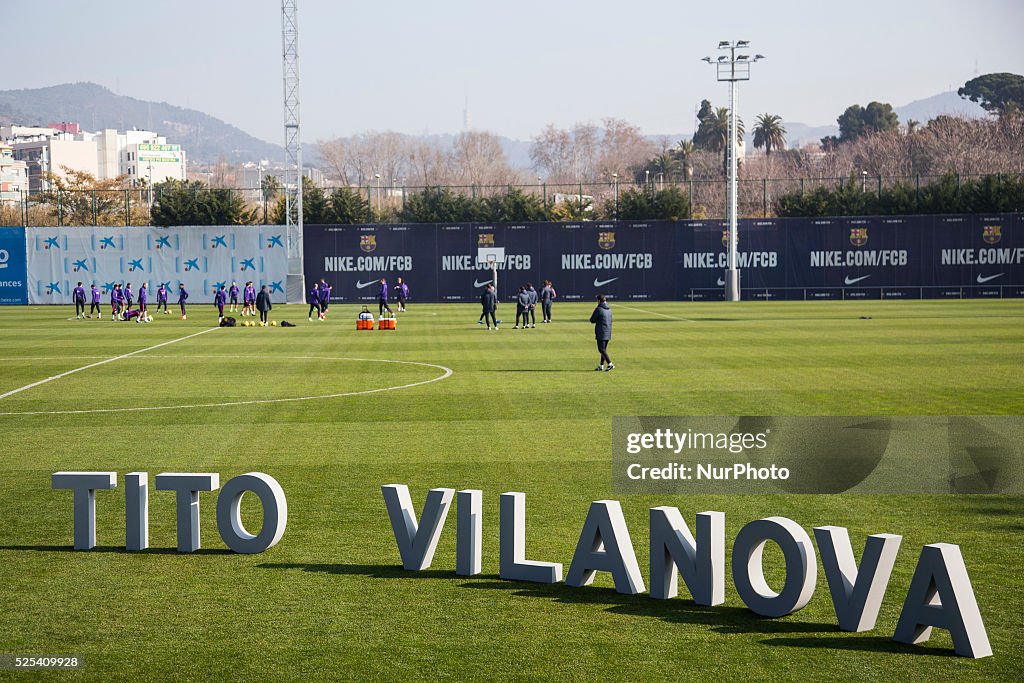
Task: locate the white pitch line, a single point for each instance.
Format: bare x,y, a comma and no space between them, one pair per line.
448,372
102,362
663,315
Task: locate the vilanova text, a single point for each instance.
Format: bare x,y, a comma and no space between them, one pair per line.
940,593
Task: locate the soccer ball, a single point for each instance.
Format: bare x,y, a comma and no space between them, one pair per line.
273,323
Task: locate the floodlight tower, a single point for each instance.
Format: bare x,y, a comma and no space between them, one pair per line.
732,67
295,285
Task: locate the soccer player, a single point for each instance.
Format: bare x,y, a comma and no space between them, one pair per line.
143,298
220,297
233,293
116,302
249,297
182,298
95,305
547,296
602,320
161,299
79,296
128,297
403,294
314,302
489,302
522,307
382,298
263,304
532,306
325,298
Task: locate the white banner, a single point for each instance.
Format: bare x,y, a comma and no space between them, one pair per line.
203,257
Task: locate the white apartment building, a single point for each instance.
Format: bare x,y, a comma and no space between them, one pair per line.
13,175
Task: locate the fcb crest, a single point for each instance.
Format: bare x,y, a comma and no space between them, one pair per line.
725,238
367,243
992,233
485,239
858,236
606,240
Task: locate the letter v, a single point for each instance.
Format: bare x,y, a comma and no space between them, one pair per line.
416,542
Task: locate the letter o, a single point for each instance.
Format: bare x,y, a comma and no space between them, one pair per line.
229,518
748,570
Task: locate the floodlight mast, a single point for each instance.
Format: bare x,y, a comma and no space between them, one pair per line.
295,285
732,68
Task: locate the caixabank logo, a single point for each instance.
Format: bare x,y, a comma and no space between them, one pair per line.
161,242
82,265
271,241
197,264
56,289
50,242
107,242
253,264
219,241
141,265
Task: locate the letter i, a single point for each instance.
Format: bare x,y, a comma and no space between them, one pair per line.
136,510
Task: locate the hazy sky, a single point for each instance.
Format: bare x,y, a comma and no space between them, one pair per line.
409,66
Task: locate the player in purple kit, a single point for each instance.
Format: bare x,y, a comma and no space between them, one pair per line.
382,298
79,296
233,294
95,305
314,302
403,294
249,297
182,298
116,303
161,299
220,297
129,298
325,298
143,298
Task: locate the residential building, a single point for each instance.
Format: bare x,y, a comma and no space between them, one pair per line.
13,176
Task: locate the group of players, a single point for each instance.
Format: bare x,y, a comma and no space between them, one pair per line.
124,306
526,305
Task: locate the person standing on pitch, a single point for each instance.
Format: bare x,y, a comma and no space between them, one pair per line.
382,298
602,319
314,302
325,298
129,298
182,298
263,304
249,297
161,299
403,294
143,299
533,305
78,294
522,307
547,296
220,297
95,305
116,302
233,293
489,302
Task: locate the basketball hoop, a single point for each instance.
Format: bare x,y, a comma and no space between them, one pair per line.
492,257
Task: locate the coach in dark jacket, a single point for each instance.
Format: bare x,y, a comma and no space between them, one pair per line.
489,302
263,304
602,319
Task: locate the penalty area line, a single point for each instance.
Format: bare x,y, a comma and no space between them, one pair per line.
102,362
663,315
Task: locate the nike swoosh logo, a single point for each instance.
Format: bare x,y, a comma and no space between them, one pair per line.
854,280
602,283
360,284
721,282
982,279
477,283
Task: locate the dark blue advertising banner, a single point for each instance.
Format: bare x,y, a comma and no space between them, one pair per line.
802,259
13,275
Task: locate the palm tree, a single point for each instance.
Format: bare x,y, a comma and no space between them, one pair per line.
684,152
769,133
718,134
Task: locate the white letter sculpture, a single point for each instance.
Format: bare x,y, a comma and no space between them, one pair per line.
605,546
856,593
416,542
136,510
702,563
941,595
187,486
229,517
512,560
85,485
748,571
469,532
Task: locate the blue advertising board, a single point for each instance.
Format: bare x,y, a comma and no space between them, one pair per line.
13,275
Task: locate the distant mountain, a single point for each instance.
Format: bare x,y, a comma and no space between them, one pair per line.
948,103
206,139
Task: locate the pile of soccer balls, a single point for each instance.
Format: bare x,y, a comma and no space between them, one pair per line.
253,323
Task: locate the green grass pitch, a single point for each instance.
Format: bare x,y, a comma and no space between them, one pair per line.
522,411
